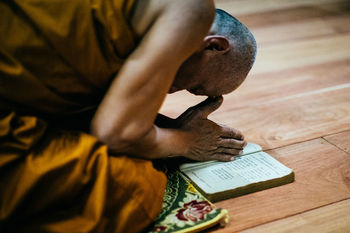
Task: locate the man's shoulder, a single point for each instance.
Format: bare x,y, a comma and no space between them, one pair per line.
147,11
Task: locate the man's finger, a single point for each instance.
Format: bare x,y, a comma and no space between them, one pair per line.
208,106
228,132
233,143
229,151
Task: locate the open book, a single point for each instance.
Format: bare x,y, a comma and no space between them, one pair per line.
253,171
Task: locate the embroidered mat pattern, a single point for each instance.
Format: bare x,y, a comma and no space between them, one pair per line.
185,209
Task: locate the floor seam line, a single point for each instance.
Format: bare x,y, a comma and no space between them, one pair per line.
323,137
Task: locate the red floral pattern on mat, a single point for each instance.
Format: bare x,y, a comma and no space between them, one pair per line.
194,211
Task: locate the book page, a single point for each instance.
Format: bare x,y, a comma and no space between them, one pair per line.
244,170
248,149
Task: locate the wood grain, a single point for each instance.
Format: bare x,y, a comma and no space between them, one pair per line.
320,27
340,140
261,88
283,122
330,218
294,54
321,177
296,14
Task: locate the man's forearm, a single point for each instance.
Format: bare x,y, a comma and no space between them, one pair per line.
157,143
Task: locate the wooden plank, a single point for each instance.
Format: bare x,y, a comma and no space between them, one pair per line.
295,54
301,30
297,14
341,140
244,7
283,122
261,88
321,177
331,218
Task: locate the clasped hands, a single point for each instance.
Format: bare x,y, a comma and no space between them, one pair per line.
206,139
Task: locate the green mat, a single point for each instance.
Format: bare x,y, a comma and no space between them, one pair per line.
185,209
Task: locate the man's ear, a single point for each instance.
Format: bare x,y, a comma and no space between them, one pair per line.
217,43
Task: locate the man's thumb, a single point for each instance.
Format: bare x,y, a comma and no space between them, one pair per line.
209,105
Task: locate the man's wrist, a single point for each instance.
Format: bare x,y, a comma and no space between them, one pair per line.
172,142
158,143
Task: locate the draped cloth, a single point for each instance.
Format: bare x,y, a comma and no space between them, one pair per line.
57,58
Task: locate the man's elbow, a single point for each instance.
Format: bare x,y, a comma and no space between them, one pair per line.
117,138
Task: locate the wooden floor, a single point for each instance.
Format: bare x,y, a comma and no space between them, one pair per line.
296,104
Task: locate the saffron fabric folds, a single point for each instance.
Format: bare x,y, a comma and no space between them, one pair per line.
57,58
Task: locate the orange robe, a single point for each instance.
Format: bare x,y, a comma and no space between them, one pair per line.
57,59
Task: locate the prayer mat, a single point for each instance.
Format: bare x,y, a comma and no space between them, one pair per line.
185,209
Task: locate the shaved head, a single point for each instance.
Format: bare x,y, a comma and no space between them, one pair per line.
223,62
242,41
